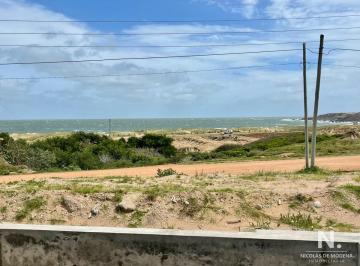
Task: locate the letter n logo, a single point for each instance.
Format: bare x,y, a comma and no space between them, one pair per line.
327,237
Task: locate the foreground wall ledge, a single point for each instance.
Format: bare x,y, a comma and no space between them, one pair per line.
24,244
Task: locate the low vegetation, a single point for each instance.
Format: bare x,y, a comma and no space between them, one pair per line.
301,221
342,227
84,151
166,172
298,200
155,191
198,207
247,210
189,202
29,206
353,189
136,218
275,146
343,201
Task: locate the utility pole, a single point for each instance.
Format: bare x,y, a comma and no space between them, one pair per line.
305,109
316,104
110,128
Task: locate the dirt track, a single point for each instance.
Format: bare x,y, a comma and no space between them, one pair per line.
349,163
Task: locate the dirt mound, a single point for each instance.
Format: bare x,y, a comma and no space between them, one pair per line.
213,202
204,142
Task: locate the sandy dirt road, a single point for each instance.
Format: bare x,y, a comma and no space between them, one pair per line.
348,163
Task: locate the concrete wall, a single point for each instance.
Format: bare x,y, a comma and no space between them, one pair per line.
22,245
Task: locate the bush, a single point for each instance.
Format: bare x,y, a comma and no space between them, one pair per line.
160,143
38,159
4,140
87,151
87,160
15,152
165,172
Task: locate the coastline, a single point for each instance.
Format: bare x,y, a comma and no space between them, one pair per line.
141,125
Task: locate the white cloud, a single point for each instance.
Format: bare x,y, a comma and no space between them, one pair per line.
244,92
247,8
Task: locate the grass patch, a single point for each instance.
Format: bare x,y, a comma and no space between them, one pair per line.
298,200
342,227
198,207
222,190
341,199
136,218
32,186
250,211
301,221
57,221
261,224
153,192
353,189
29,206
261,175
8,193
279,145
7,169
357,179
120,179
314,173
87,189
118,196
165,172
313,170
3,209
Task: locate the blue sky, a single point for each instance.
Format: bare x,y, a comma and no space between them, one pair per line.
273,91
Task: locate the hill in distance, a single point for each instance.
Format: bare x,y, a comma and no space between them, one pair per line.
340,117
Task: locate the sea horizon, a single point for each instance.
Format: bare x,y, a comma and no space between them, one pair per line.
143,124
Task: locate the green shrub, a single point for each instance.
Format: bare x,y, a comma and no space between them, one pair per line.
118,196
38,159
160,143
29,206
3,209
136,218
165,172
198,207
301,221
353,189
87,160
15,152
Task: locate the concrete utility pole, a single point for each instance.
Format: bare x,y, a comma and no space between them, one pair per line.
305,109
109,127
316,104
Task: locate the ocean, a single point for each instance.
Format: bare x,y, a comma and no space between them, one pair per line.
124,125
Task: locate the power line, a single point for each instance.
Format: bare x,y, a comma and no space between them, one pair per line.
176,33
171,72
147,46
339,65
347,66
179,21
148,73
167,46
145,58
330,50
344,49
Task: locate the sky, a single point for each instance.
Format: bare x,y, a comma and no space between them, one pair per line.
276,90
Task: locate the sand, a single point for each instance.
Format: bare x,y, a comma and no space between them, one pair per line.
346,163
209,202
